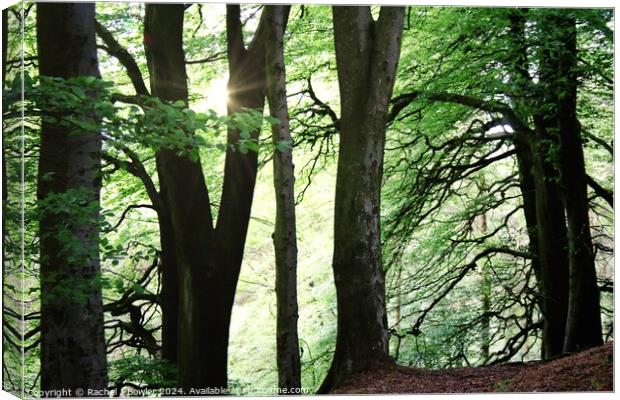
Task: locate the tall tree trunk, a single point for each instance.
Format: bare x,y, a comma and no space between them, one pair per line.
208,258
552,246
246,86
543,209
485,288
525,163
527,186
183,190
583,326
284,237
547,241
73,352
367,54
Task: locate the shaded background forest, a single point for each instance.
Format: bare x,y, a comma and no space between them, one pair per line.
461,287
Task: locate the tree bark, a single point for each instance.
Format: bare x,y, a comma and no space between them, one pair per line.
583,326
552,245
73,352
543,209
183,191
124,57
367,54
485,288
284,237
544,216
246,88
209,259
169,295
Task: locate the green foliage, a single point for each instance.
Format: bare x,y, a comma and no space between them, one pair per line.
142,371
86,105
433,196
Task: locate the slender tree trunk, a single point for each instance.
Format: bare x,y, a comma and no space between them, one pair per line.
525,163
73,352
485,321
284,237
246,87
485,289
367,54
583,327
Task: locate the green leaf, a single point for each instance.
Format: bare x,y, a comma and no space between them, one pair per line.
78,92
138,289
252,145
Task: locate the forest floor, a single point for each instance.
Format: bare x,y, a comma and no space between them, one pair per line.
587,371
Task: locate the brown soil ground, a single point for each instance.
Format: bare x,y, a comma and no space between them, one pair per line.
587,371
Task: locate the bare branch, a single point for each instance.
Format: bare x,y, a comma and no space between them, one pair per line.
220,55
129,208
605,194
122,55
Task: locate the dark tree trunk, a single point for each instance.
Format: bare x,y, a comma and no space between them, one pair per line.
73,352
208,258
285,236
367,54
544,213
524,139
525,164
485,289
544,216
583,327
169,295
185,195
246,87
552,246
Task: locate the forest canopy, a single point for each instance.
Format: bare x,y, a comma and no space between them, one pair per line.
257,199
